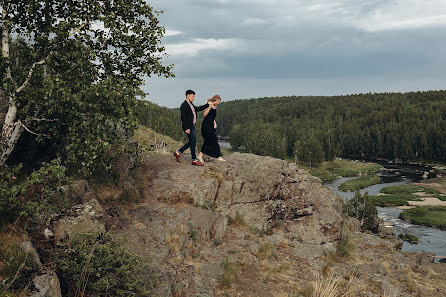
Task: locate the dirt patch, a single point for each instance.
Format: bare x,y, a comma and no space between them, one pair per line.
404,207
432,185
428,202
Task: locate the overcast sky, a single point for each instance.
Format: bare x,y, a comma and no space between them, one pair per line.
255,48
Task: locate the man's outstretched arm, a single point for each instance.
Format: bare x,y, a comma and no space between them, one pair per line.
203,107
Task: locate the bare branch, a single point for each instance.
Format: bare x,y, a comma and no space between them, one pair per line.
42,120
30,131
30,73
74,31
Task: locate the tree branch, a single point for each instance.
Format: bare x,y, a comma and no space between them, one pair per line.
30,131
30,73
42,120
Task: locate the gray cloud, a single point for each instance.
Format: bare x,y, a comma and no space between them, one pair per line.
249,45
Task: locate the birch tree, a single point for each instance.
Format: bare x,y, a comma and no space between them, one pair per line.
72,70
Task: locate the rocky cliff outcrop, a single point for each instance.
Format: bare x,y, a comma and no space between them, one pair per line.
251,226
263,190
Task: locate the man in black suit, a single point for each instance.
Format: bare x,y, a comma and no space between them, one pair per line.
188,119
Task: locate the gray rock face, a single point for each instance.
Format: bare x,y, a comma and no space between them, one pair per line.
47,285
83,218
264,191
79,192
264,220
184,222
28,248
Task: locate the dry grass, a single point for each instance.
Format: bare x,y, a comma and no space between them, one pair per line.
173,241
238,220
212,172
229,274
266,251
150,140
334,286
16,266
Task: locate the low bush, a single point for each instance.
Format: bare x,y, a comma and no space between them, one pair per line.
229,273
99,264
409,238
31,199
364,210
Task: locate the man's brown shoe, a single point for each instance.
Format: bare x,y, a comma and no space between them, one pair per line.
196,162
177,155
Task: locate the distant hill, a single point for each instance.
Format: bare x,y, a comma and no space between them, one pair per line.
406,126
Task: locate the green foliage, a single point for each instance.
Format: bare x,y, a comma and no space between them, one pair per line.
393,199
32,198
406,126
407,189
432,216
260,139
93,57
309,150
400,195
409,238
160,119
360,183
99,264
329,170
364,210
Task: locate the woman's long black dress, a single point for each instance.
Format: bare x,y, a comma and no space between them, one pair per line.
210,146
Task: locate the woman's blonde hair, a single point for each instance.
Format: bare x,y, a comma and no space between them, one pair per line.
214,98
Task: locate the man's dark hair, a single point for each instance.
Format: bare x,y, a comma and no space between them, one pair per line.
188,92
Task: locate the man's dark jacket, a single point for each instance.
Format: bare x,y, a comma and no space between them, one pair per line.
187,117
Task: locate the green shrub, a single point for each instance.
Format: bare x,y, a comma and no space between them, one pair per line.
32,198
364,210
409,238
99,264
344,249
229,272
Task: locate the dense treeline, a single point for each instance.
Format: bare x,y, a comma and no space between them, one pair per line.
160,119
165,121
406,126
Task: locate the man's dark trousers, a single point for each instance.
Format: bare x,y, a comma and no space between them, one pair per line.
191,144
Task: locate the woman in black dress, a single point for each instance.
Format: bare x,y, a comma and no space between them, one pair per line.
209,131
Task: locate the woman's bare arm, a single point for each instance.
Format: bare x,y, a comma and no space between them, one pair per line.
207,110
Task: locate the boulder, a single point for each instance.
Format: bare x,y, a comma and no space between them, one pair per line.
28,248
46,285
389,233
79,192
122,167
264,191
83,218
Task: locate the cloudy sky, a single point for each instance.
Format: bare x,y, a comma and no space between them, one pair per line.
255,48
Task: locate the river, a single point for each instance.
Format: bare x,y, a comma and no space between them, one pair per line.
432,239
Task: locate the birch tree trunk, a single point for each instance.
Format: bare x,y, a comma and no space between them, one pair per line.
11,130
